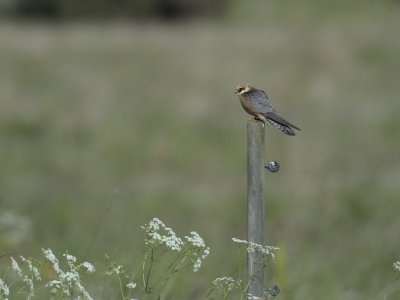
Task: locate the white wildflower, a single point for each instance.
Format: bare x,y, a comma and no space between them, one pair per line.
131,285
199,259
48,254
67,281
89,268
155,236
206,252
4,290
31,267
70,258
159,234
115,270
23,276
223,286
54,285
227,283
197,248
15,267
71,276
29,282
171,240
155,224
239,241
85,294
195,240
396,266
197,264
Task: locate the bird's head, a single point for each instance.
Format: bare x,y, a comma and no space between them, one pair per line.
242,88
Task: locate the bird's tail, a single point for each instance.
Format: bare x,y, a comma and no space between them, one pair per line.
284,128
278,122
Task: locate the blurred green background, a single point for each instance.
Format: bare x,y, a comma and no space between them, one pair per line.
112,116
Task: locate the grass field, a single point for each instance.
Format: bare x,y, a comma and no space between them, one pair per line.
104,126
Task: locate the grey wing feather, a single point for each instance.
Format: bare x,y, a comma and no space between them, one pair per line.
284,128
259,101
261,104
277,118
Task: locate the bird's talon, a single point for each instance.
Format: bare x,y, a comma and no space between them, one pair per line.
259,120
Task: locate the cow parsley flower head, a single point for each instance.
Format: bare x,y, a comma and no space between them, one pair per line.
48,254
226,283
198,251
4,290
55,286
67,281
70,258
115,270
206,253
31,267
26,274
89,268
15,267
396,266
158,234
222,286
131,285
195,240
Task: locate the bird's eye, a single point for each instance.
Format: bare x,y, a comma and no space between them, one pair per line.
240,89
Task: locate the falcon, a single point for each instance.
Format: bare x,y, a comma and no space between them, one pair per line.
256,103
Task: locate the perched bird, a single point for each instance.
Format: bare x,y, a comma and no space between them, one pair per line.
255,102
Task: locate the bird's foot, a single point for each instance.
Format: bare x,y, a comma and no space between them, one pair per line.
260,120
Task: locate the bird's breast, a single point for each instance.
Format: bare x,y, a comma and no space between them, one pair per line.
247,105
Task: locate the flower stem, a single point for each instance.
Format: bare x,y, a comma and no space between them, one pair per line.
147,291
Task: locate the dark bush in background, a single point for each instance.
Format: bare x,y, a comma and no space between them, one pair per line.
110,9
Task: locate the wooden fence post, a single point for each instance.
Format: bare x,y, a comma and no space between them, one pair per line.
255,204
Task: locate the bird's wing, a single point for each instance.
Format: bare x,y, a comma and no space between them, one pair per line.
259,101
261,104
277,118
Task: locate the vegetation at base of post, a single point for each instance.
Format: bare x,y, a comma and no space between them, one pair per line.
167,255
